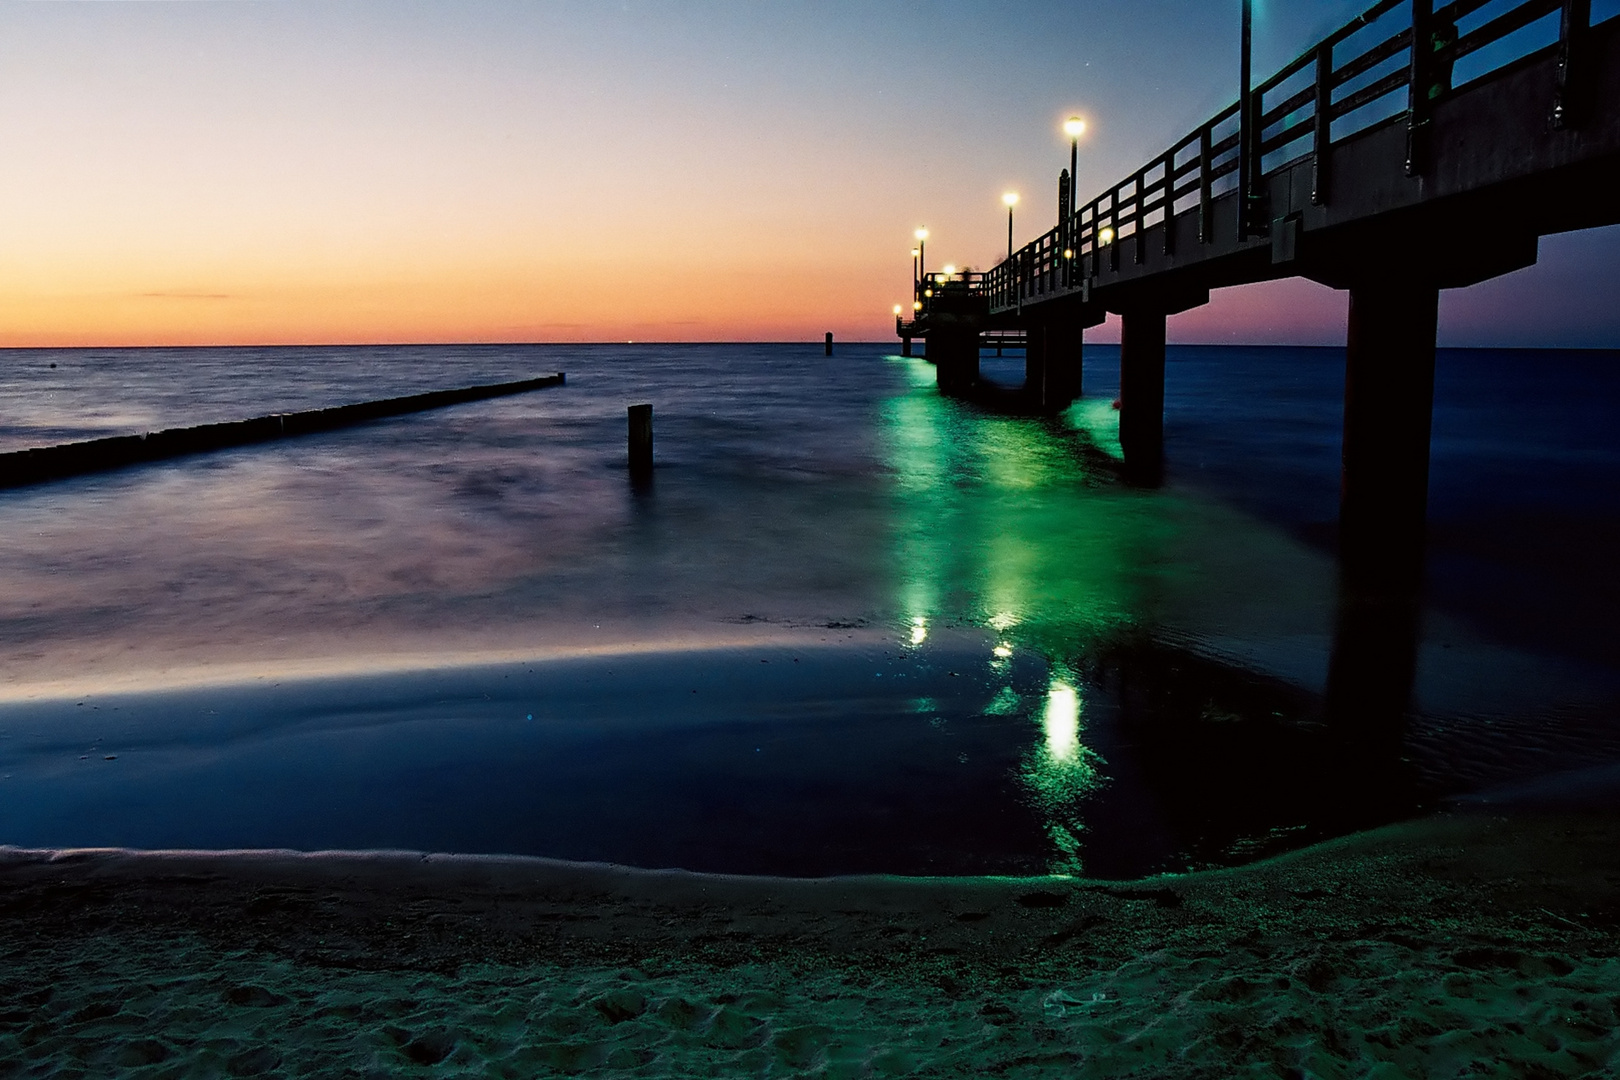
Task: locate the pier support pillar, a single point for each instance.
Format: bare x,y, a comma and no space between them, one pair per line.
905,346
1141,394
1141,376
1052,365
954,349
1388,403
1372,669
1383,498
1035,377
1384,481
1068,347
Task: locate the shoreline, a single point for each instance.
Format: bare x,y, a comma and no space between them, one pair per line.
1445,946
419,657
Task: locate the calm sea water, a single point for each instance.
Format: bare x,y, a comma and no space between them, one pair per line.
849,626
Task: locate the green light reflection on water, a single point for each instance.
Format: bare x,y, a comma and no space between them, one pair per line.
1016,525
1061,770
1010,524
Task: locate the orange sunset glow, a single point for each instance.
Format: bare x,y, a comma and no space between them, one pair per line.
229,173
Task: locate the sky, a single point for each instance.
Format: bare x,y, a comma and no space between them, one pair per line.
332,171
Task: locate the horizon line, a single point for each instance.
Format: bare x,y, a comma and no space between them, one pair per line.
795,341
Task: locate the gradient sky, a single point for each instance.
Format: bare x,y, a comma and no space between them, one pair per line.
234,171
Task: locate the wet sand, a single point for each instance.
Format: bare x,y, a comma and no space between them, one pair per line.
1480,943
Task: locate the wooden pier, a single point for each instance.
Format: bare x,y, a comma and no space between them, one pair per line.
1359,165
1417,148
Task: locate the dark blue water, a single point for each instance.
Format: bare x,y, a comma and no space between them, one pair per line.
1524,474
921,638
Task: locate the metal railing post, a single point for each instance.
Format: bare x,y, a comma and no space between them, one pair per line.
1169,203
1113,229
1206,226
1574,21
1065,214
1247,136
1322,134
1417,87
1096,238
1140,217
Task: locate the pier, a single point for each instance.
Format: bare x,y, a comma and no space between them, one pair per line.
1417,148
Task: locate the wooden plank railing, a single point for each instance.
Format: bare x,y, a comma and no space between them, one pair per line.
1295,120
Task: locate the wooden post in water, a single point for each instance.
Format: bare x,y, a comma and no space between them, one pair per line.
641,440
1141,393
829,343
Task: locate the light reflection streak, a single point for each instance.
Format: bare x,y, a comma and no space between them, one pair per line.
1062,722
1062,770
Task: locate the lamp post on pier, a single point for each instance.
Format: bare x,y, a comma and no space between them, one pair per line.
916,275
1073,127
922,254
1011,199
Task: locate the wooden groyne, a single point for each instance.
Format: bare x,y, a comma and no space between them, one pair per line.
22,467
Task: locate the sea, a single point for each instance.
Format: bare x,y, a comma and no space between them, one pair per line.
847,626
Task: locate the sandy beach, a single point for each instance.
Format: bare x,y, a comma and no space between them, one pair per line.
1472,944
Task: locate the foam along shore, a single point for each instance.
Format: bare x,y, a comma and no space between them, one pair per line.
1472,944
19,468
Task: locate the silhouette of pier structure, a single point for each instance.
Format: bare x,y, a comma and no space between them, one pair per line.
1419,147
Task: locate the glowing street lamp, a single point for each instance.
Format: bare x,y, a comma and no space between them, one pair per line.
1011,199
1073,127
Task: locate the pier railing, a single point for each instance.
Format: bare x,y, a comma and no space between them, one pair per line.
1362,75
